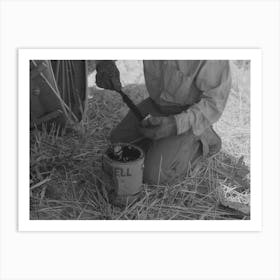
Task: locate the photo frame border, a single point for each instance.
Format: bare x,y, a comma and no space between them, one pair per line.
252,54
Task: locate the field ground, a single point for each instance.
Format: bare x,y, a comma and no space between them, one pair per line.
66,181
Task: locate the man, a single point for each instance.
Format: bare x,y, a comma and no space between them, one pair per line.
186,98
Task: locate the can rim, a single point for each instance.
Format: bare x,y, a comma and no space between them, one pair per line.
141,156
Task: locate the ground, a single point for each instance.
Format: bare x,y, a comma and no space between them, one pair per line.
66,180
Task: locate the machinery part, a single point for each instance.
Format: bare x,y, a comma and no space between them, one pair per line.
71,79
131,105
112,86
55,115
57,85
44,97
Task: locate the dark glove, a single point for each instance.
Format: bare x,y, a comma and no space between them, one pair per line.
108,75
158,127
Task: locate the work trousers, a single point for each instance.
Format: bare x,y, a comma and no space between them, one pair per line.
167,160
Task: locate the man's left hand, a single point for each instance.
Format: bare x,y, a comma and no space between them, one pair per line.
156,128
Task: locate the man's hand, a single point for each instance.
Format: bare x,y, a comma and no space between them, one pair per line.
158,127
108,75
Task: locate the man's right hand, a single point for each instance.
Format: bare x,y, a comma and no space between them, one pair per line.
108,75
156,128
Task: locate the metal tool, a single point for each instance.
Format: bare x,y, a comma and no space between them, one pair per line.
131,105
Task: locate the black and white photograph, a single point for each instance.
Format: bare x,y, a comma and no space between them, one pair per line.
140,139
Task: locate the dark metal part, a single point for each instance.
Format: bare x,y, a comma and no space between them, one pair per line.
131,105
48,117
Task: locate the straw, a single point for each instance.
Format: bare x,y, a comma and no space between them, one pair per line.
67,181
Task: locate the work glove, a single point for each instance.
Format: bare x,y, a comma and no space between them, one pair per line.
108,75
156,128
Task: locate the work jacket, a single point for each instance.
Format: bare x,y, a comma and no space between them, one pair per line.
199,87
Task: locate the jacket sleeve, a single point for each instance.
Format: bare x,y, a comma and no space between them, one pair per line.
214,80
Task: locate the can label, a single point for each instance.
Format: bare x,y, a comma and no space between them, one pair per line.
122,172
126,176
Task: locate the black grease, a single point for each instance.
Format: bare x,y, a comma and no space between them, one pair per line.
128,153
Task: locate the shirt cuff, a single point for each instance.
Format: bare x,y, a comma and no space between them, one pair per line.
182,123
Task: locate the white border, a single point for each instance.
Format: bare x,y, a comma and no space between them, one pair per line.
254,224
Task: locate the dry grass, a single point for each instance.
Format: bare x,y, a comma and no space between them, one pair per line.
66,181
234,126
